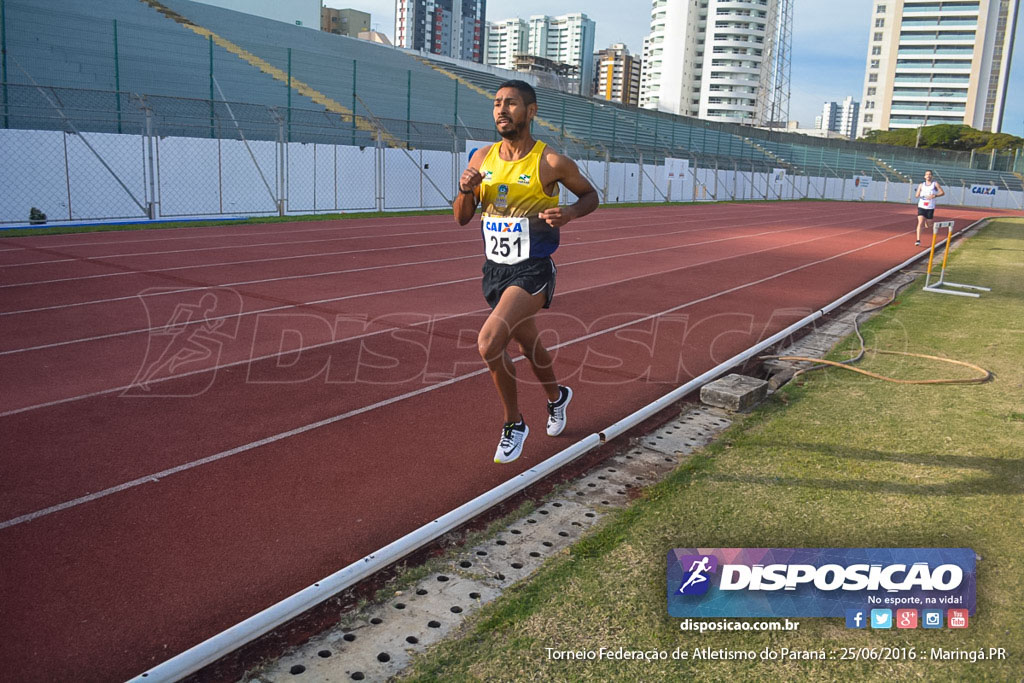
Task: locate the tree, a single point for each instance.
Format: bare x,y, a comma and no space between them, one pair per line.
956,137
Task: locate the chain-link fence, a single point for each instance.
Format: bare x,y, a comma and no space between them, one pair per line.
319,91
82,155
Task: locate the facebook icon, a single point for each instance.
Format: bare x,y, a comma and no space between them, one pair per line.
856,618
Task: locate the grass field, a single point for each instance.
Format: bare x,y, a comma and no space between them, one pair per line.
834,459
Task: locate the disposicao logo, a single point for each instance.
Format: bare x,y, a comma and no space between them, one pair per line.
696,581
823,582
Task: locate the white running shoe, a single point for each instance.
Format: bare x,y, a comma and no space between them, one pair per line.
513,435
556,411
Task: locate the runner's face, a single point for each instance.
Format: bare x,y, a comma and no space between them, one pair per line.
927,177
511,115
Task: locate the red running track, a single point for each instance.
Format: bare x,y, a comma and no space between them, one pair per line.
199,422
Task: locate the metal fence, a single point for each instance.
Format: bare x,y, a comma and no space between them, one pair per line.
125,51
82,155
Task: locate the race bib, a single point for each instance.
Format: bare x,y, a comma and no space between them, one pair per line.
506,240
927,203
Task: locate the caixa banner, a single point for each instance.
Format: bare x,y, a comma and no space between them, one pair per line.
985,190
816,582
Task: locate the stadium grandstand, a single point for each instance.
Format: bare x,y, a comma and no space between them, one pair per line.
181,68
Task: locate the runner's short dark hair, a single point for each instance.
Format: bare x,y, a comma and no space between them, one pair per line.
526,90
928,170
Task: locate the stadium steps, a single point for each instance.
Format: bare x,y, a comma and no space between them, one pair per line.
298,86
888,170
556,130
792,168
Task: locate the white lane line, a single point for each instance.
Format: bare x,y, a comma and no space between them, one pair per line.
256,359
144,330
341,225
153,478
273,259
473,240
283,229
201,249
241,246
587,226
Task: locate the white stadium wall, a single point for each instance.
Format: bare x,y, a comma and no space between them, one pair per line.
197,177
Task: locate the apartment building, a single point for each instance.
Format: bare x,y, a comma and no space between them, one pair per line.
453,28
713,58
933,61
566,41
617,75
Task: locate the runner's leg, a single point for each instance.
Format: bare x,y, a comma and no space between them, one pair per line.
515,306
528,337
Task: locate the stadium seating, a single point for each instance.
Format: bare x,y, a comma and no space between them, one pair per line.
167,49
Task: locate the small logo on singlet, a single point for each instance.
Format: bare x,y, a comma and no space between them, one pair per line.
524,179
502,199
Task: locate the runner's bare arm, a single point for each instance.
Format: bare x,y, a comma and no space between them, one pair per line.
468,194
564,170
938,190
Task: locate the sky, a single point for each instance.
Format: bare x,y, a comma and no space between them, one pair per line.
829,49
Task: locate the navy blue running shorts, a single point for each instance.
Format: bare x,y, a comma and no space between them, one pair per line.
535,275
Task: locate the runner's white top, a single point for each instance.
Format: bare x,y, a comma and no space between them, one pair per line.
927,199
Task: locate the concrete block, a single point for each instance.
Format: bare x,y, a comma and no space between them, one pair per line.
734,392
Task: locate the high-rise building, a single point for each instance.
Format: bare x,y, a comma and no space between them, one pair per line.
839,117
453,28
344,22
617,75
725,60
566,40
505,41
848,119
829,119
938,61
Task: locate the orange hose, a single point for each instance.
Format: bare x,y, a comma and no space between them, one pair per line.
985,374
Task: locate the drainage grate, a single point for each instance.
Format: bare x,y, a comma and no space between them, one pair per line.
380,641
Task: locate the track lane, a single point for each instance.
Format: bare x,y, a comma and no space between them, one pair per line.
287,513
318,325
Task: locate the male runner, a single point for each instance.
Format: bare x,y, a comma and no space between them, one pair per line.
516,182
926,194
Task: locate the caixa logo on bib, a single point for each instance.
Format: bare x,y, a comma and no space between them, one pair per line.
502,224
815,582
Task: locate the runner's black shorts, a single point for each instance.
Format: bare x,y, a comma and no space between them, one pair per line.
927,213
535,275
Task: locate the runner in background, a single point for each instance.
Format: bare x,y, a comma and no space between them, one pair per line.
926,194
